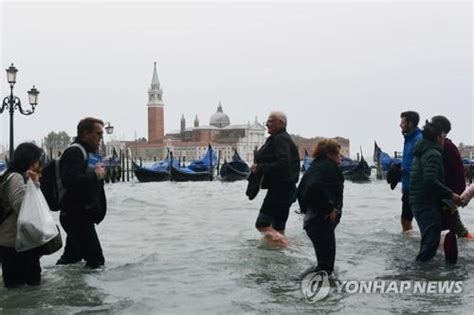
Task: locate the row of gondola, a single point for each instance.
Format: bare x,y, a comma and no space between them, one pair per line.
234,170
198,170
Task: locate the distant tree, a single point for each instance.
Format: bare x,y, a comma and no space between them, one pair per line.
57,141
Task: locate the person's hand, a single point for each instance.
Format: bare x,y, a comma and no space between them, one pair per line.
253,168
332,216
33,175
464,202
100,171
456,199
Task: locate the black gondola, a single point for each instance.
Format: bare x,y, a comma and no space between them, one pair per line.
158,172
145,174
198,170
360,172
179,175
234,170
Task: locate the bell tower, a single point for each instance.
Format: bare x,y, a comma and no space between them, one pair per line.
156,125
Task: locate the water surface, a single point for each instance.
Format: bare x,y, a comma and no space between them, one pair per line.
192,248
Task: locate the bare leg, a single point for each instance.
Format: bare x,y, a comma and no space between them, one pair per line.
406,225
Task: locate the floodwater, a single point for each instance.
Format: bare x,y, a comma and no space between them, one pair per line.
192,248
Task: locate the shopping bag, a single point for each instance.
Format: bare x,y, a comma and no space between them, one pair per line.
35,225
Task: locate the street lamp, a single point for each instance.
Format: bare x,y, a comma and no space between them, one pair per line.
12,102
109,129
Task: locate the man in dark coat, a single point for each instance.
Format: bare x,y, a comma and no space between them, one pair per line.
84,203
279,162
427,189
454,175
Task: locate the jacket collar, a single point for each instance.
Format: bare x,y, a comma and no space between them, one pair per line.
279,132
412,134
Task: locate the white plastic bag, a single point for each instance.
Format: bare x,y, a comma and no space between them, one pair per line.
35,225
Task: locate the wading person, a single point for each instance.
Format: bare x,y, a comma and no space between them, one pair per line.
454,176
18,268
279,162
427,189
84,203
412,134
320,195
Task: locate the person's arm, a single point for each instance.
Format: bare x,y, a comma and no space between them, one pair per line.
431,169
468,193
15,188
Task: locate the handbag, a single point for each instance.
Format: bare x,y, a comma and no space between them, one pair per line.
51,246
254,184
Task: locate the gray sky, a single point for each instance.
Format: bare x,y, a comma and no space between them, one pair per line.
336,69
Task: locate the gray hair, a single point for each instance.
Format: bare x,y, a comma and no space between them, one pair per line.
280,116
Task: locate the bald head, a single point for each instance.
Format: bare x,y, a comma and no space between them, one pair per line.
276,121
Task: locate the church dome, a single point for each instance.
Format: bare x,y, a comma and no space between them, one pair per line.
219,119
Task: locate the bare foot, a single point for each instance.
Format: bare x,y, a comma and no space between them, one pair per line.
275,238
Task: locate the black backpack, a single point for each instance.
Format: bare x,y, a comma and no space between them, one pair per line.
51,183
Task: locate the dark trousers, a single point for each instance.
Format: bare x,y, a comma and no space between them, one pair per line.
82,241
20,268
276,207
322,234
428,218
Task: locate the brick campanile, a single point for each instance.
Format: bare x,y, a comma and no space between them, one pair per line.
156,124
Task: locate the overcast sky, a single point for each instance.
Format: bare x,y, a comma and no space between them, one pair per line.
336,69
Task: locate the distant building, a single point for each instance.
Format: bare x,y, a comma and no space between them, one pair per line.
310,143
191,143
156,124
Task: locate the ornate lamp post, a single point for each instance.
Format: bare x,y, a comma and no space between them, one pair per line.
12,102
109,129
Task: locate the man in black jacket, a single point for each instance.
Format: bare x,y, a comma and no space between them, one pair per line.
84,203
279,162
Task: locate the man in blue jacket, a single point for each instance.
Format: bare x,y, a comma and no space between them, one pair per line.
412,134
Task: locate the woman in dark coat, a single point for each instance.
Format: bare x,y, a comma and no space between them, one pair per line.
320,195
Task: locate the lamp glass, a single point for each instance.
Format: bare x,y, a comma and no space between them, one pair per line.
11,74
